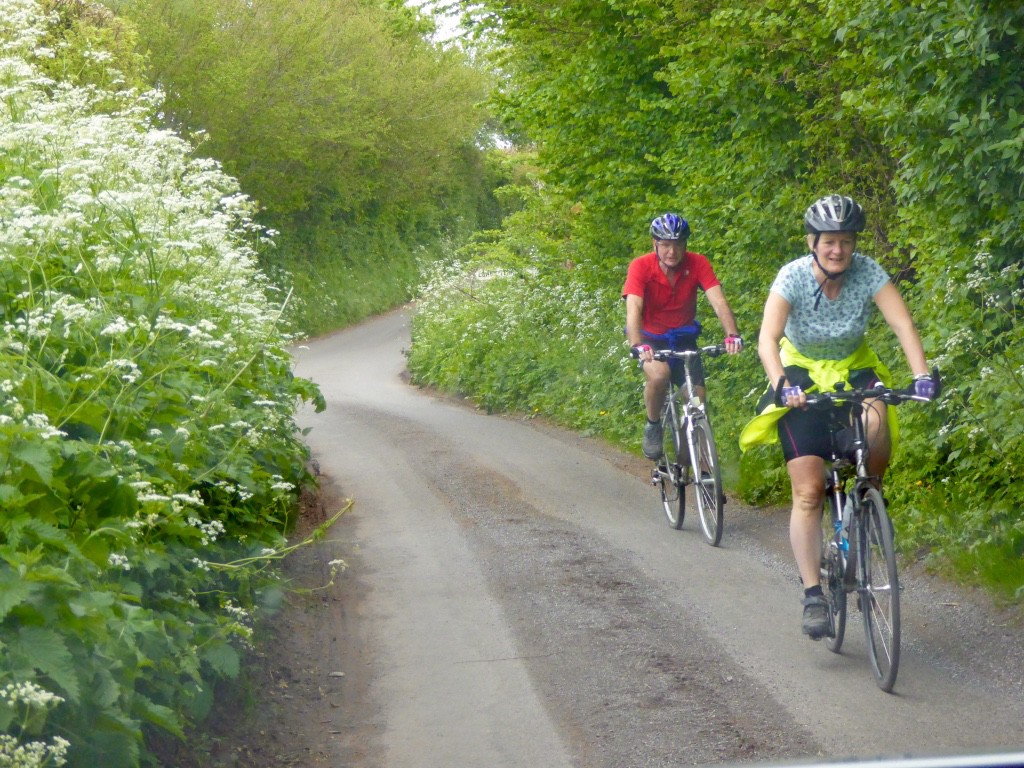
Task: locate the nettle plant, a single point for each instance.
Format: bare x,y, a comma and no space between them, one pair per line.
148,454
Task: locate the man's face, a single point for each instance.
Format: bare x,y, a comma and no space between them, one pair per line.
670,252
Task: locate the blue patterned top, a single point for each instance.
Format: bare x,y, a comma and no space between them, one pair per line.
836,328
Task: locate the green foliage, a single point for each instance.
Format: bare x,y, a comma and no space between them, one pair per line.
318,106
519,350
947,91
357,137
342,276
91,46
148,454
966,453
738,116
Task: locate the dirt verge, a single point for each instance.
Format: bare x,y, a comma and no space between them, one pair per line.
292,704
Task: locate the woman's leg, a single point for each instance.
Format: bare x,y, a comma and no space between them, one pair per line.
876,426
807,476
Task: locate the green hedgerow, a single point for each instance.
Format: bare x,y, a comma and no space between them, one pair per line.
148,454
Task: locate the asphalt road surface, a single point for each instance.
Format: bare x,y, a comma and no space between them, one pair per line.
515,597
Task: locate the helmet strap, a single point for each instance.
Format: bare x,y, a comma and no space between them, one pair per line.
828,276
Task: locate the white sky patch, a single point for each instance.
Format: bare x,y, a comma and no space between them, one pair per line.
447,23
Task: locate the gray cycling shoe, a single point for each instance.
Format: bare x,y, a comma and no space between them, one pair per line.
654,441
815,624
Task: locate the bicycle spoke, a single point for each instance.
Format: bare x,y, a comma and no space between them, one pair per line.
832,579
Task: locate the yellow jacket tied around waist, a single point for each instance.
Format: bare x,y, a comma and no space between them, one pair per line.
762,429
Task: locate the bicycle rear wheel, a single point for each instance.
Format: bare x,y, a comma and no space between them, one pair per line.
832,578
707,481
880,591
670,471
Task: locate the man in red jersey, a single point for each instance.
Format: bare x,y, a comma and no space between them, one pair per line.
661,313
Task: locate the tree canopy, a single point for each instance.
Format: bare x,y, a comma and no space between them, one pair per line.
324,106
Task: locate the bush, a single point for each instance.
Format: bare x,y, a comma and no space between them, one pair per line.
148,455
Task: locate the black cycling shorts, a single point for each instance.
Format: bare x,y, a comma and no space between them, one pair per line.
805,432
678,374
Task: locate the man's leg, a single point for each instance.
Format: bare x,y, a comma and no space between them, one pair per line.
655,389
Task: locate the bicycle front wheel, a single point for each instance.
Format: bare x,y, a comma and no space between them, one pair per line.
880,590
832,570
707,481
670,471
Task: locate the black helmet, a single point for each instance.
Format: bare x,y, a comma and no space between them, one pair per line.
670,226
834,213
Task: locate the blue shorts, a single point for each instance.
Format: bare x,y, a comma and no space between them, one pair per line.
678,372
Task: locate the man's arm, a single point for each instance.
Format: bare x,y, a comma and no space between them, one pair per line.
716,297
634,319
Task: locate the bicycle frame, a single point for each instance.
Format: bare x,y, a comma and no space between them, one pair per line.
693,408
838,475
864,562
684,415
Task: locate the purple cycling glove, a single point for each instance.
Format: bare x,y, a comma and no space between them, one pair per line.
924,386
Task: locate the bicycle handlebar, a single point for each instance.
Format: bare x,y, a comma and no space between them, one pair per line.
878,392
663,355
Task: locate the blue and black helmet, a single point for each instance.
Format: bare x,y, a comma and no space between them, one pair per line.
669,226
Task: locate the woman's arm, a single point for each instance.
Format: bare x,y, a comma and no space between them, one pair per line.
773,326
896,314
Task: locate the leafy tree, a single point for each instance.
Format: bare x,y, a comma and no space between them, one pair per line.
947,90
360,140
739,115
324,107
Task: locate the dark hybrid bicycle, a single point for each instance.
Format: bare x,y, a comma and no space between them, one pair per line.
858,550
691,457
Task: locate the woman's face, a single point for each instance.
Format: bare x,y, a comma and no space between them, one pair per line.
834,250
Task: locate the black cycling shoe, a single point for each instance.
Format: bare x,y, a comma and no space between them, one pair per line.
815,623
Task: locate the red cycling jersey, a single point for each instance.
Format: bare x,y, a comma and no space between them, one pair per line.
668,306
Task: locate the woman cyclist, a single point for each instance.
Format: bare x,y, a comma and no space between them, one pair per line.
812,336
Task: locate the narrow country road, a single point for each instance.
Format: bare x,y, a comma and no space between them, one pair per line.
515,598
